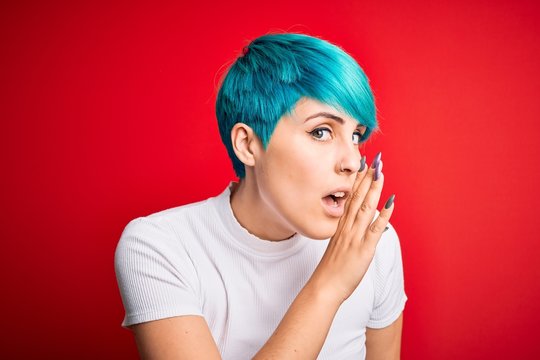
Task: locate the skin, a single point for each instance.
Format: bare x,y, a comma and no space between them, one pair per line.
300,166
304,162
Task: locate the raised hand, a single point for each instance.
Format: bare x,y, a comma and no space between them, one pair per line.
351,249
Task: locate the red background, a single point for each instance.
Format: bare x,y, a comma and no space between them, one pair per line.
107,114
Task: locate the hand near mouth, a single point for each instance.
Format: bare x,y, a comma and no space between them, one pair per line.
302,332
351,249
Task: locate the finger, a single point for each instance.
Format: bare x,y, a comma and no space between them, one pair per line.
368,208
360,175
359,193
377,227
354,200
376,183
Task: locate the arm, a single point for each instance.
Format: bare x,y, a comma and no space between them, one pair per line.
301,333
155,275
306,324
181,337
303,329
385,343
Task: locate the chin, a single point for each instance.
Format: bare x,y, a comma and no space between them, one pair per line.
322,231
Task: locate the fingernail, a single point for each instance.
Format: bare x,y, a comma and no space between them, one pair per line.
376,160
386,228
377,172
362,163
390,201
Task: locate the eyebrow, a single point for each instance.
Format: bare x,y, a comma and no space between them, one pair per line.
326,115
330,116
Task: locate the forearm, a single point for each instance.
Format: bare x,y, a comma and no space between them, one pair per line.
303,330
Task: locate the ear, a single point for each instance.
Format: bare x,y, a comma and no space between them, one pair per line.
245,143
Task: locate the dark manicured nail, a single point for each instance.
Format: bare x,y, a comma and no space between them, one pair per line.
386,228
362,163
377,174
376,160
390,201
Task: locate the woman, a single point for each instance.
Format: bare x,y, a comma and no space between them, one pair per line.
252,272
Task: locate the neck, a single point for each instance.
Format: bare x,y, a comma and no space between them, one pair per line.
255,215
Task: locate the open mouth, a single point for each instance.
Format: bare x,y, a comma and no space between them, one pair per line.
334,203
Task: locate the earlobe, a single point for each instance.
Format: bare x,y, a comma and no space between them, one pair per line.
245,143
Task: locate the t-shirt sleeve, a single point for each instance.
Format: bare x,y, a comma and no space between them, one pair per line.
390,294
155,274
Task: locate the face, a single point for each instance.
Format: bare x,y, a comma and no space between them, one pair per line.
309,167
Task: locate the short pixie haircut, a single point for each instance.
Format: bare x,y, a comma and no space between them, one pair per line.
277,70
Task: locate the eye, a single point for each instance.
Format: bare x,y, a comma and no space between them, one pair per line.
321,134
357,136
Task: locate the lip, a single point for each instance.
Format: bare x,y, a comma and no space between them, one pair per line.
330,207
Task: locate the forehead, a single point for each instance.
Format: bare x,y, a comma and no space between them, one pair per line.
308,107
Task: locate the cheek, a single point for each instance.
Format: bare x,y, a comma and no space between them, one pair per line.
300,166
293,183
298,181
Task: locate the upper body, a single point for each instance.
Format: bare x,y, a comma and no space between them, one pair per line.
198,260
292,113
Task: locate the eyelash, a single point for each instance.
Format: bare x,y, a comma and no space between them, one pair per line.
323,129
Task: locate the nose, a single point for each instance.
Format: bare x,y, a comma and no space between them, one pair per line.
349,161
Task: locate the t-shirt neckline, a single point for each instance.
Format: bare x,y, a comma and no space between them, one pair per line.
249,242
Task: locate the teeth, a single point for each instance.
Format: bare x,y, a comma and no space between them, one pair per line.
339,194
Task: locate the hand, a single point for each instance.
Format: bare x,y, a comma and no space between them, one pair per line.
351,249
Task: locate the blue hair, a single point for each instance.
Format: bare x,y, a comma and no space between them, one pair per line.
277,70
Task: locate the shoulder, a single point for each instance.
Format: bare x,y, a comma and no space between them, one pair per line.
155,269
388,243
388,280
388,252
163,233
163,223
178,213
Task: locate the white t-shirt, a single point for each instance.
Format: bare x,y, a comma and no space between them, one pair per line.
198,260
